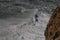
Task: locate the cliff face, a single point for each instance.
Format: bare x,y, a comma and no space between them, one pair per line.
52,31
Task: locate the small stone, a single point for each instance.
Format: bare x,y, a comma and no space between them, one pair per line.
22,37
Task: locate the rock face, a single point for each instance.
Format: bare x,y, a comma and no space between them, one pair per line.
52,31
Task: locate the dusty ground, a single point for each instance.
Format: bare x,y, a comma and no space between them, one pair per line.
16,18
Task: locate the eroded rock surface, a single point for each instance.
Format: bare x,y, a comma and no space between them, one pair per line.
52,31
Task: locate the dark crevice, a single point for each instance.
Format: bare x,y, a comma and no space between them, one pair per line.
56,35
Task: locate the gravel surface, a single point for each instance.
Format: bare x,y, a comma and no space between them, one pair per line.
17,18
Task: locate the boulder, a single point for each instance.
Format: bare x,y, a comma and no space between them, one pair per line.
52,31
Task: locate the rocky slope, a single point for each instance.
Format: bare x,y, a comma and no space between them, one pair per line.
52,31
16,18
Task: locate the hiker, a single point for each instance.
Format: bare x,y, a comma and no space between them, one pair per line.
36,18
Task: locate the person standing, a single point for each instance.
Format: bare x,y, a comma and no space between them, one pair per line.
36,18
35,21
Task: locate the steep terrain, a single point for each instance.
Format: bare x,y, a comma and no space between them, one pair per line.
16,18
52,31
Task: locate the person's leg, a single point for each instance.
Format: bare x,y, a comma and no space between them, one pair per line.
36,20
